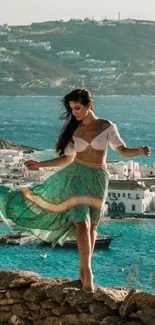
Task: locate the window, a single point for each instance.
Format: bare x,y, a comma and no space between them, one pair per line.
109,194
119,195
113,194
129,195
123,194
114,207
137,196
121,207
151,173
133,207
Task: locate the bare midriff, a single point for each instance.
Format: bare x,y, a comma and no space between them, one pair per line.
93,156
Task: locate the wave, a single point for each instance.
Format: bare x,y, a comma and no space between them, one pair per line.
126,124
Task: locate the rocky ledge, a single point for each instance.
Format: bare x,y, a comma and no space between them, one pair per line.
26,298
10,145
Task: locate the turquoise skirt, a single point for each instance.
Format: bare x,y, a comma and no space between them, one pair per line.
50,210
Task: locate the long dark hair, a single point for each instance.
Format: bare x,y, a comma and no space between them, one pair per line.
84,97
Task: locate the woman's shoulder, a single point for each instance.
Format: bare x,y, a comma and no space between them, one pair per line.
105,123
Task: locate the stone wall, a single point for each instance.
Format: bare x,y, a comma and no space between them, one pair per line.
26,299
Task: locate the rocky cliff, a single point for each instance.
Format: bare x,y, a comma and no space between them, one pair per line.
26,299
10,145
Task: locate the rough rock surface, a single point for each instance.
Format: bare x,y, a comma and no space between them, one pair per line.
12,146
28,299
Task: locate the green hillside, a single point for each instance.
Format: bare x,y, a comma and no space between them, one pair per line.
50,58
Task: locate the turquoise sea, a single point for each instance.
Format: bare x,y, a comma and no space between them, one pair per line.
34,121
112,266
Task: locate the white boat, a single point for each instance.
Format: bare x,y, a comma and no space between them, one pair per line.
18,238
13,241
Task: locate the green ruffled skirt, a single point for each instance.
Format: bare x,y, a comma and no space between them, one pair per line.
50,210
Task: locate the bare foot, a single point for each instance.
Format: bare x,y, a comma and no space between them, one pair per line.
88,285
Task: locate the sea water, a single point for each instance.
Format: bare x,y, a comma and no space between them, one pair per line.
33,121
130,259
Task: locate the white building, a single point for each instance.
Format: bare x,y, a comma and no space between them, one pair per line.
12,168
11,157
147,171
104,78
153,195
127,21
118,170
139,74
133,170
128,197
8,79
93,61
70,53
42,45
3,33
124,170
108,70
34,175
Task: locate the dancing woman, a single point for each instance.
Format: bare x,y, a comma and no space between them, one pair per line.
70,202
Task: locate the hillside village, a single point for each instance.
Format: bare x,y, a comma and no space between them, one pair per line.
51,58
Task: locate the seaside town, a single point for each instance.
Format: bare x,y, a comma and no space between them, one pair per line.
131,189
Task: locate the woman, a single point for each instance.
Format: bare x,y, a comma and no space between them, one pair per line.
71,201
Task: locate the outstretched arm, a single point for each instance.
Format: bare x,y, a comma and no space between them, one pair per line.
132,152
118,144
64,160
57,162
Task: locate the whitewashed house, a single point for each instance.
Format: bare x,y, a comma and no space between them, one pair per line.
133,170
11,153
34,175
153,197
118,170
128,197
124,170
147,171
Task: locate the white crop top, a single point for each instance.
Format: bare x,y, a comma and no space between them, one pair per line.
100,142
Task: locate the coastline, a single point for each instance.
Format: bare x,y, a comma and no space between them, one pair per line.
141,217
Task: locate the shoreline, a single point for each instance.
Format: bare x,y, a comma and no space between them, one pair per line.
107,218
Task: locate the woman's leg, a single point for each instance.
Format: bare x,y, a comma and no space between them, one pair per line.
93,235
94,219
84,247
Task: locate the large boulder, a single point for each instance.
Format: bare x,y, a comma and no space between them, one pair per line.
136,301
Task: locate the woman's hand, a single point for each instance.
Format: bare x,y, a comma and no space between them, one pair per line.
32,164
146,151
